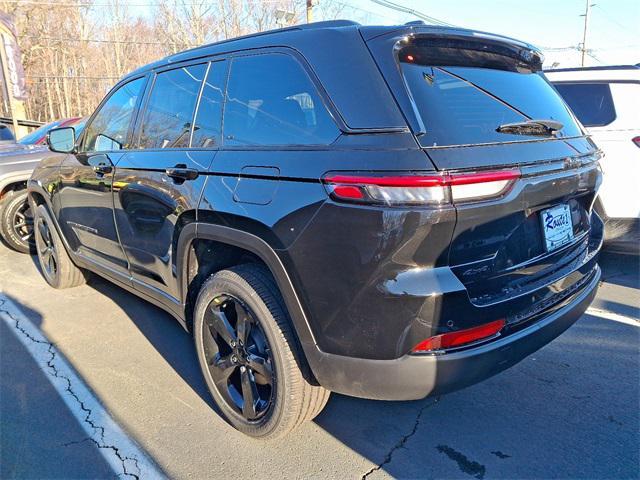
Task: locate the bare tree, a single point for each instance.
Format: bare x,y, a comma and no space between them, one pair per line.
74,52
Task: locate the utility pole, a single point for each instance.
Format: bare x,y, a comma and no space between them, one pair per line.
310,11
584,33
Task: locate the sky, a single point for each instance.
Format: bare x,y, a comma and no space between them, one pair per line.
613,33
556,26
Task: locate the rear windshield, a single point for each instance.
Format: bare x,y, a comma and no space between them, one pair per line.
468,94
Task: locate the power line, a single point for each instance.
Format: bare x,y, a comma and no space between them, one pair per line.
96,40
613,20
50,3
370,12
75,77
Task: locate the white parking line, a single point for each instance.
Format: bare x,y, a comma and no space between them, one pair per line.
616,317
123,455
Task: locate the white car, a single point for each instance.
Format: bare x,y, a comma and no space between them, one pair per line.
607,102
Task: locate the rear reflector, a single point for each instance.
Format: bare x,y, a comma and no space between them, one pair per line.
459,338
636,140
420,189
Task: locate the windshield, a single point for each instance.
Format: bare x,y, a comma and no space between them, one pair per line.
461,105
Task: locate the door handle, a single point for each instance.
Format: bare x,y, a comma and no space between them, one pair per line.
180,174
102,169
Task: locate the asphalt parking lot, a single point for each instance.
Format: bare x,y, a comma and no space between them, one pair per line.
96,383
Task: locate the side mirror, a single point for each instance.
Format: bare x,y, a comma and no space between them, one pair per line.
62,140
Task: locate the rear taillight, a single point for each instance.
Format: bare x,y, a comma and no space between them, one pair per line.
460,338
636,140
420,189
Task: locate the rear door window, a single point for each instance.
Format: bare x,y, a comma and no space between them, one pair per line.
208,124
169,112
272,101
591,102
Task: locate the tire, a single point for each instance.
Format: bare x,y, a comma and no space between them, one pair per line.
55,265
16,221
248,291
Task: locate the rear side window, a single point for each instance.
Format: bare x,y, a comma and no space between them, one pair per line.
272,101
591,102
208,125
109,128
170,108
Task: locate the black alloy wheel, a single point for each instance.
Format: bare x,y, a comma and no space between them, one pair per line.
46,248
22,224
56,266
238,357
16,221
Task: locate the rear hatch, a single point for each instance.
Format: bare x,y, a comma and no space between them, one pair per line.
478,102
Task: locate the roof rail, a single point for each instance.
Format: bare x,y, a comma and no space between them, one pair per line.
304,26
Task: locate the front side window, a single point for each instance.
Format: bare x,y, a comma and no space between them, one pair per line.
169,111
591,102
272,101
109,128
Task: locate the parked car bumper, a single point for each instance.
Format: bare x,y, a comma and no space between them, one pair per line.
417,376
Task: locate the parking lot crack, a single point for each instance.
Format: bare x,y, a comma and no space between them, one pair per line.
403,440
99,431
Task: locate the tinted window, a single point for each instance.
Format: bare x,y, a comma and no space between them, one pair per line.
465,105
108,129
208,124
272,101
169,111
5,133
591,102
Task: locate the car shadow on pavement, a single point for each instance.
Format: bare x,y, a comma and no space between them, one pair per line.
163,332
40,438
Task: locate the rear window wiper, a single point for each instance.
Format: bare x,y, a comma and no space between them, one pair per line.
531,127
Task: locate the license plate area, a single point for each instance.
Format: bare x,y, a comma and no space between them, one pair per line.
557,226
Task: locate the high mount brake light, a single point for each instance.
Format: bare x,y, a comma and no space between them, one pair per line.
420,189
459,338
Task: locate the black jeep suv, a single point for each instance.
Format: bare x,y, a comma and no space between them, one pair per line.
385,212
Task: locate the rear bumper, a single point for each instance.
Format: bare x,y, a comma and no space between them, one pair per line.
417,376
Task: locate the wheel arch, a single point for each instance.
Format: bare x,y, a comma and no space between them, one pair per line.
9,182
37,195
257,247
